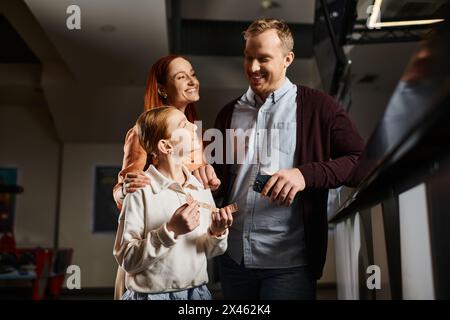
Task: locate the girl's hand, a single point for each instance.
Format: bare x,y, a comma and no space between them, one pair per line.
221,221
134,181
185,219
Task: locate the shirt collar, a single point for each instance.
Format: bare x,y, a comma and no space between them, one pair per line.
159,182
253,100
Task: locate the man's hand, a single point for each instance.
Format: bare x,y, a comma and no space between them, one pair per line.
206,175
286,183
134,181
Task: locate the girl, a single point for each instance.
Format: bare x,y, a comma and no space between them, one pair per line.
164,237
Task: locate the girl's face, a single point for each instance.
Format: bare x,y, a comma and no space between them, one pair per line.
184,138
182,85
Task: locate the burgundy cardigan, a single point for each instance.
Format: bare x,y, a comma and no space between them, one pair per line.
328,147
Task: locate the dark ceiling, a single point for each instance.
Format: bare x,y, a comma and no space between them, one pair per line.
14,49
224,38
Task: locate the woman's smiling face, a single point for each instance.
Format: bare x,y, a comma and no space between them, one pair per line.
182,85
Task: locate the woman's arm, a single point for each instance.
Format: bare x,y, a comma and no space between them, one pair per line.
134,160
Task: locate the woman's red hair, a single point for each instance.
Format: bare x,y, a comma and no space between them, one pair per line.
158,74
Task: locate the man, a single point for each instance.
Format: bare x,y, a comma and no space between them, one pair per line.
277,244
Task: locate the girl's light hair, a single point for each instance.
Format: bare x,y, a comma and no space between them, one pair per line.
284,33
152,126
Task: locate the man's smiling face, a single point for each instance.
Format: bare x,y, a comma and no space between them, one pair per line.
266,62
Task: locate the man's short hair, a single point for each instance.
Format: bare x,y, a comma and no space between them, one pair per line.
284,33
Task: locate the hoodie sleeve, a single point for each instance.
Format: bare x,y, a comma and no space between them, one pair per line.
135,249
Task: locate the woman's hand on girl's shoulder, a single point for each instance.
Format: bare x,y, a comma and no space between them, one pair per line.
134,181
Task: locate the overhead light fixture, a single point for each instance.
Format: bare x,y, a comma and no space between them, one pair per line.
375,16
269,4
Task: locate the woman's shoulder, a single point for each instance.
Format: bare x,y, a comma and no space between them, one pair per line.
132,147
132,133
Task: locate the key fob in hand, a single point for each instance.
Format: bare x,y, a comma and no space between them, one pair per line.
260,182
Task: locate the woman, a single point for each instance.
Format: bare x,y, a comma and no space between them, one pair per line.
171,81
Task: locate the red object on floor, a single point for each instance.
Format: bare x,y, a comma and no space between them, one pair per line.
7,243
43,269
61,261
50,270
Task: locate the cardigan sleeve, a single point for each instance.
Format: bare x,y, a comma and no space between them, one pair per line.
346,146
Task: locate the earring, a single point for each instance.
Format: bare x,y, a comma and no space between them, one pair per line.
163,94
154,158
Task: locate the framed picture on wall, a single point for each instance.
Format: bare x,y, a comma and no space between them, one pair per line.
8,177
106,212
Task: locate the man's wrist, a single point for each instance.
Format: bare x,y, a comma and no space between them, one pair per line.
302,178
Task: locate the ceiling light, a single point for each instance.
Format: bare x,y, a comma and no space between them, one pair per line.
374,17
269,4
